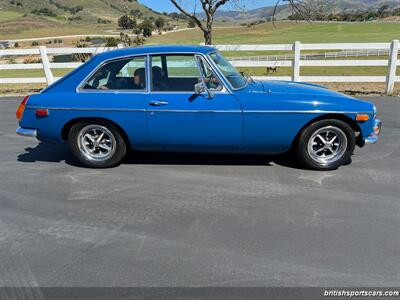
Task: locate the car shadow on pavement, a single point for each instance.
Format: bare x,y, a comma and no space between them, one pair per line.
57,153
46,152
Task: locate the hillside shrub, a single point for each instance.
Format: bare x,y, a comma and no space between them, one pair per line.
44,12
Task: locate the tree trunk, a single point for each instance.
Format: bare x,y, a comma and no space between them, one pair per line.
208,37
208,31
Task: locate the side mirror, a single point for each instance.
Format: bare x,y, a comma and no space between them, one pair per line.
201,88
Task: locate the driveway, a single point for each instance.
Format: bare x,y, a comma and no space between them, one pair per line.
198,220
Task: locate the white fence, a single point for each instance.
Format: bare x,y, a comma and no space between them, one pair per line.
45,65
295,61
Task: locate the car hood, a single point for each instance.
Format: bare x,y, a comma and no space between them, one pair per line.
299,88
306,96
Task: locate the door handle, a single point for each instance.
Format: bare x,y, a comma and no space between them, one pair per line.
158,103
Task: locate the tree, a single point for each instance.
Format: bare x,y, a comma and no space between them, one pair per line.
209,7
304,9
81,56
125,39
147,28
136,13
126,22
159,23
138,40
382,11
191,23
111,42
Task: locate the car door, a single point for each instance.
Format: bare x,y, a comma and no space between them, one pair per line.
117,91
180,119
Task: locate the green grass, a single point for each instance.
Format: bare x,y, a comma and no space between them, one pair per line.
286,32
31,73
9,15
19,28
320,71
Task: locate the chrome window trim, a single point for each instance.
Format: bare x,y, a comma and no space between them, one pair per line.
127,91
225,89
202,75
222,74
149,73
79,88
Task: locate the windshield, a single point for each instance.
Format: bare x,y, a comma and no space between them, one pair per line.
233,76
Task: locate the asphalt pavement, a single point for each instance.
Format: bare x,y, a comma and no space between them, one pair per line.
198,220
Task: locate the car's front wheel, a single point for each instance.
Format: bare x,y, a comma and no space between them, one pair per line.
97,144
326,144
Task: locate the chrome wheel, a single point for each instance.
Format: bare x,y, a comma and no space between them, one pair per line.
96,143
327,145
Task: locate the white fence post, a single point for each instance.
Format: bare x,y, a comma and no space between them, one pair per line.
391,75
296,62
46,65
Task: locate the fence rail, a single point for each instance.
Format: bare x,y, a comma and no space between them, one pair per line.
296,61
310,56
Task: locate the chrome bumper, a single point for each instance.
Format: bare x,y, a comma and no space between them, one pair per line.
373,138
26,132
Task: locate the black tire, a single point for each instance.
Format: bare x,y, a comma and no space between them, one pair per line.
77,137
311,147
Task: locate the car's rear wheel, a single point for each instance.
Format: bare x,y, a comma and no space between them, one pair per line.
97,144
326,144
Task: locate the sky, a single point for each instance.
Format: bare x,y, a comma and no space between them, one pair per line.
166,5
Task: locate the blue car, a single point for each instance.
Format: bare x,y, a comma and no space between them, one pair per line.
190,98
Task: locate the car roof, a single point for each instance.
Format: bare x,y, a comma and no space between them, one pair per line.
156,49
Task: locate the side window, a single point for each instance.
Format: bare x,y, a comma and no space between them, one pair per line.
209,77
174,73
122,74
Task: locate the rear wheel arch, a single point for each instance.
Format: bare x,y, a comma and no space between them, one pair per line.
67,127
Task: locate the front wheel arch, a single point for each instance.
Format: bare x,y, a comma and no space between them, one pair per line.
349,121
67,127
318,152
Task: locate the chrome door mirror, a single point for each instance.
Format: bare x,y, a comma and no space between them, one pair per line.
201,88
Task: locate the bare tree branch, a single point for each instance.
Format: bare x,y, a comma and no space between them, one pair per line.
192,16
306,9
220,3
210,7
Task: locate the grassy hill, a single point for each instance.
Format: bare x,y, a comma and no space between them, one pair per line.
23,18
283,11
86,9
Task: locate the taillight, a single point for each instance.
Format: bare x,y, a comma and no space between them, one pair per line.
20,110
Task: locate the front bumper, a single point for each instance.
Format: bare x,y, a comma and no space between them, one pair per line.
27,132
373,138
